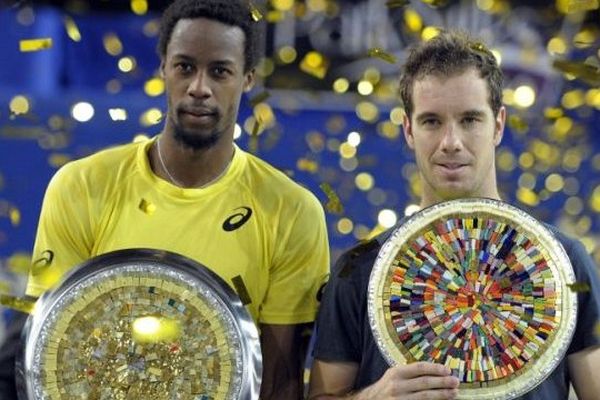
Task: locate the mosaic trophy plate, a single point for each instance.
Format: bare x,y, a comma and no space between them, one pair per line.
141,324
477,285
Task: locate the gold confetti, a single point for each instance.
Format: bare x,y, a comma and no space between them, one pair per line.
147,207
435,3
586,72
4,287
72,29
240,288
255,12
397,3
334,205
19,263
315,64
305,164
16,303
259,98
30,45
582,5
578,287
379,53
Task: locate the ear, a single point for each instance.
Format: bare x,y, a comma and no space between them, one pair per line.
249,79
162,69
499,125
407,129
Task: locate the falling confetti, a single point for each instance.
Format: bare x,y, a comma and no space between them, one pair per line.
255,12
379,53
72,29
147,207
334,205
586,72
31,45
242,291
582,5
259,98
397,3
579,287
17,303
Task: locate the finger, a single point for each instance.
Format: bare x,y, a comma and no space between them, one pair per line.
421,368
445,394
425,383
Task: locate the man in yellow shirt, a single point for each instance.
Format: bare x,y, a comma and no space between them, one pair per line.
191,190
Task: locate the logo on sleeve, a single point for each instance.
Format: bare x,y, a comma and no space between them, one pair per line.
238,219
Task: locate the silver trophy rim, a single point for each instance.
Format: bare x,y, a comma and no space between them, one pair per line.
244,324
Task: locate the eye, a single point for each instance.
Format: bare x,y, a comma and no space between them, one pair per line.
430,122
184,67
221,72
469,120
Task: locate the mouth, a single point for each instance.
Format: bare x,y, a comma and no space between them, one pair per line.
452,166
199,115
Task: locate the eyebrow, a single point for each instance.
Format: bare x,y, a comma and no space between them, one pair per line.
468,113
180,56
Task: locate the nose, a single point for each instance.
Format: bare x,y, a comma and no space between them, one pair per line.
200,87
451,140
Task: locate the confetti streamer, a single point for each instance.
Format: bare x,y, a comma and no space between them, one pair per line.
586,72
334,205
72,29
397,3
30,45
582,5
379,53
259,98
305,164
255,12
579,287
16,303
435,3
242,291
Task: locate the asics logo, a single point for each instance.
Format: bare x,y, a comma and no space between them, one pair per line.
238,219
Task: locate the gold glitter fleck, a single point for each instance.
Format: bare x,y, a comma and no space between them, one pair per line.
380,53
29,45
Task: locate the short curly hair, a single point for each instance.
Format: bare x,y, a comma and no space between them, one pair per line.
450,53
230,12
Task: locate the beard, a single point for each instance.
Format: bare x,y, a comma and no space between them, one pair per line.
194,140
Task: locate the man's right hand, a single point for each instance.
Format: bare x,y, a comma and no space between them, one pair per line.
420,380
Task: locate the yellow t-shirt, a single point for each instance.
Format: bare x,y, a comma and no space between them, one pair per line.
254,222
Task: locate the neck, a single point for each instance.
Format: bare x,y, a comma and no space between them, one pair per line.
186,167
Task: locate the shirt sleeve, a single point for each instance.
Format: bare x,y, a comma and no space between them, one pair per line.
299,267
64,234
588,301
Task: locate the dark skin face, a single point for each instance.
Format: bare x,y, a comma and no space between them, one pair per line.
204,76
